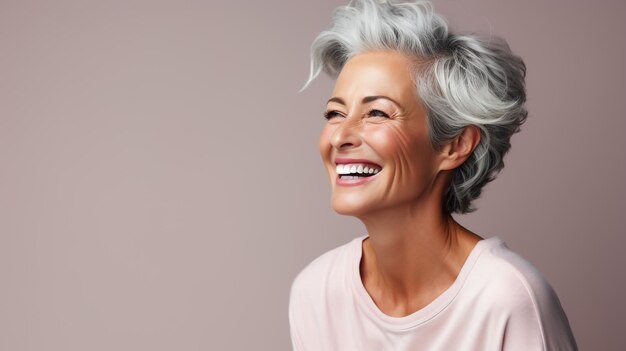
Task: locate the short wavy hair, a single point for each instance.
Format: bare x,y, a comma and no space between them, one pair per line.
462,79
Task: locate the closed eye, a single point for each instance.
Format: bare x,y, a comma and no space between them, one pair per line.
331,114
378,113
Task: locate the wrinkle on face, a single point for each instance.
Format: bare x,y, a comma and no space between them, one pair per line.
400,143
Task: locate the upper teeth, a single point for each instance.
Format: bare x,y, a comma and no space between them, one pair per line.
357,168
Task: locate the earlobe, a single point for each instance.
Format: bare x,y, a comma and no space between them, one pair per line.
460,148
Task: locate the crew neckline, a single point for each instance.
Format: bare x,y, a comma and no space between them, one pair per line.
429,311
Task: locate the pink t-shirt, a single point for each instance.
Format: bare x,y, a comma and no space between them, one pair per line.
499,301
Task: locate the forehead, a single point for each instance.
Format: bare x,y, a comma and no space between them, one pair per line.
378,73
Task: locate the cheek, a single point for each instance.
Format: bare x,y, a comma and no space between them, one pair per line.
390,141
409,153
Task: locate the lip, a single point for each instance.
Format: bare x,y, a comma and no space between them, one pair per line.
355,182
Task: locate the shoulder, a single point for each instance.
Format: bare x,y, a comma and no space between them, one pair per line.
322,273
521,295
511,277
317,291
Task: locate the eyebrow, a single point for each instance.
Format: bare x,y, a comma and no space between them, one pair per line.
365,99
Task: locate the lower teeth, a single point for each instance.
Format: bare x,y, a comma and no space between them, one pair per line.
351,177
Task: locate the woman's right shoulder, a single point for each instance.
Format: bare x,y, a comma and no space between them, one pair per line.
322,284
324,271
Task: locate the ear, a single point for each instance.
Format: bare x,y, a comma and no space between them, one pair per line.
455,152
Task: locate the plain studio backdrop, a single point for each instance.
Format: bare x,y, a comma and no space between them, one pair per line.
160,182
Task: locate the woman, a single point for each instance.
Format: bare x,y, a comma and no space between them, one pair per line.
418,122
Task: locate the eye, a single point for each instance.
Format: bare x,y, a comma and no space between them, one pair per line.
378,113
331,114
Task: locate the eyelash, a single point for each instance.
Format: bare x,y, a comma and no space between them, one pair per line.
331,114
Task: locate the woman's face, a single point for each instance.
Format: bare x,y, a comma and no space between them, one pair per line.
375,144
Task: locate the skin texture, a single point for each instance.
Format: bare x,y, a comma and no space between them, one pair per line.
415,250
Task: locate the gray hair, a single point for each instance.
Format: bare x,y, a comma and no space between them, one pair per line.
462,80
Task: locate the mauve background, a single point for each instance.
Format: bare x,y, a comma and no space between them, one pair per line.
160,183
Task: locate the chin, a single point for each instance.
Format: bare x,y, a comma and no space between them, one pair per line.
349,206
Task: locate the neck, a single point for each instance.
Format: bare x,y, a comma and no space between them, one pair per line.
412,255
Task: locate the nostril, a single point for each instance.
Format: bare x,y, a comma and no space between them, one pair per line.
344,145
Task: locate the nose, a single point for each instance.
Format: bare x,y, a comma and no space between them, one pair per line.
347,135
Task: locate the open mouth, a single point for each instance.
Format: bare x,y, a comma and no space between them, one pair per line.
356,170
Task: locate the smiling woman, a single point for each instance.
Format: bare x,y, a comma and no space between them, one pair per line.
376,117
418,122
